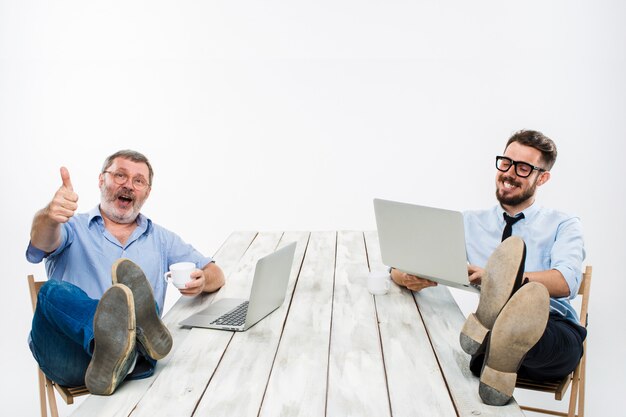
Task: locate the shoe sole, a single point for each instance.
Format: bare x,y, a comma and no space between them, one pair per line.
502,277
518,328
151,331
114,341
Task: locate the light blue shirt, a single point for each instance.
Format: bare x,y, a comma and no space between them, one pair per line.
88,251
554,240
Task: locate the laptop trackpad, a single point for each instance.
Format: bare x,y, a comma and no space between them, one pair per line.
222,306
213,311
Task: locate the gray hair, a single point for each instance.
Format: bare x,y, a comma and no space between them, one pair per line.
131,155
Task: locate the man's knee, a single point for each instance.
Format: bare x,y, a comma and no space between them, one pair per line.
50,288
54,290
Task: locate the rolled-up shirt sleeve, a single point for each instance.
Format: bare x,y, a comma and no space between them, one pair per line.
35,255
568,253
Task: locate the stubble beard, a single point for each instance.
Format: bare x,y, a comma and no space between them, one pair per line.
518,199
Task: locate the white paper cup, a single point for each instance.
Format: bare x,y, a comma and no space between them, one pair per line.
378,282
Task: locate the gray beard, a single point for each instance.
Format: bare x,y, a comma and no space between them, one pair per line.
107,207
118,219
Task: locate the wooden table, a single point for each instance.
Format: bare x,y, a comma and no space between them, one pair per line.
331,349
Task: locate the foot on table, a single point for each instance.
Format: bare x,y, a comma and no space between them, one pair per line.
518,328
502,277
114,341
151,331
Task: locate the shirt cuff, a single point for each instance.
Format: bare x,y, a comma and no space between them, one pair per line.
34,255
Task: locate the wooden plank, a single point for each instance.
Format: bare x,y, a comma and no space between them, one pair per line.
416,385
239,382
182,384
123,401
356,378
297,385
444,320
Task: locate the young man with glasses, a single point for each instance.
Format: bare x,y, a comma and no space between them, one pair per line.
528,260
97,318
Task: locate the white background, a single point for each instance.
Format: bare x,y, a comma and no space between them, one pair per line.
283,115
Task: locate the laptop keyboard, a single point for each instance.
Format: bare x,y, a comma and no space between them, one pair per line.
235,317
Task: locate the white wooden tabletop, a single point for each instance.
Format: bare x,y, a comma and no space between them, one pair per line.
332,348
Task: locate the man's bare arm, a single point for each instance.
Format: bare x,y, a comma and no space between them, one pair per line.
214,277
553,280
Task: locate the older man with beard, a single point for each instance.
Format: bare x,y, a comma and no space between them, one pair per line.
528,260
97,318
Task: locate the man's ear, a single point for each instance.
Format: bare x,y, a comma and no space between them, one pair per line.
543,178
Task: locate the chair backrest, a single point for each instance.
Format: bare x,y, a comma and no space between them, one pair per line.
33,288
577,378
583,291
46,386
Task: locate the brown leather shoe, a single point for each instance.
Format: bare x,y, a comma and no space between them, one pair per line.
517,329
114,341
503,276
151,331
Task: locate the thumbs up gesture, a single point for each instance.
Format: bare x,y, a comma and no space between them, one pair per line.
65,201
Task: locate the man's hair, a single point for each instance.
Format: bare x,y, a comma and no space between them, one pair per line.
539,141
133,156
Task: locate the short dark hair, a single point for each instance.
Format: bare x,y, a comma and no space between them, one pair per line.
133,156
539,141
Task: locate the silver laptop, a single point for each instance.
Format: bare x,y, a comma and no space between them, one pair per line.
269,287
423,241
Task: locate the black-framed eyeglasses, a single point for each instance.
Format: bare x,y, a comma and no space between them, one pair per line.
120,177
522,169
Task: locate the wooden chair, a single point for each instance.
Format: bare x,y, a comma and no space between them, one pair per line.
46,386
577,378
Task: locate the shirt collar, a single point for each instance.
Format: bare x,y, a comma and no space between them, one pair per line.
94,214
529,212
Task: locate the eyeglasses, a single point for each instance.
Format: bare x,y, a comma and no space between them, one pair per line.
522,169
120,177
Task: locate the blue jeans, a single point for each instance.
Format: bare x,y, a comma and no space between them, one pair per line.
61,338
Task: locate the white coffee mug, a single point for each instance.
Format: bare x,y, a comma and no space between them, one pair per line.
378,282
180,273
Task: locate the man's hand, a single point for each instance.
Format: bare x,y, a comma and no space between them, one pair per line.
208,279
196,285
45,233
475,274
65,201
412,282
